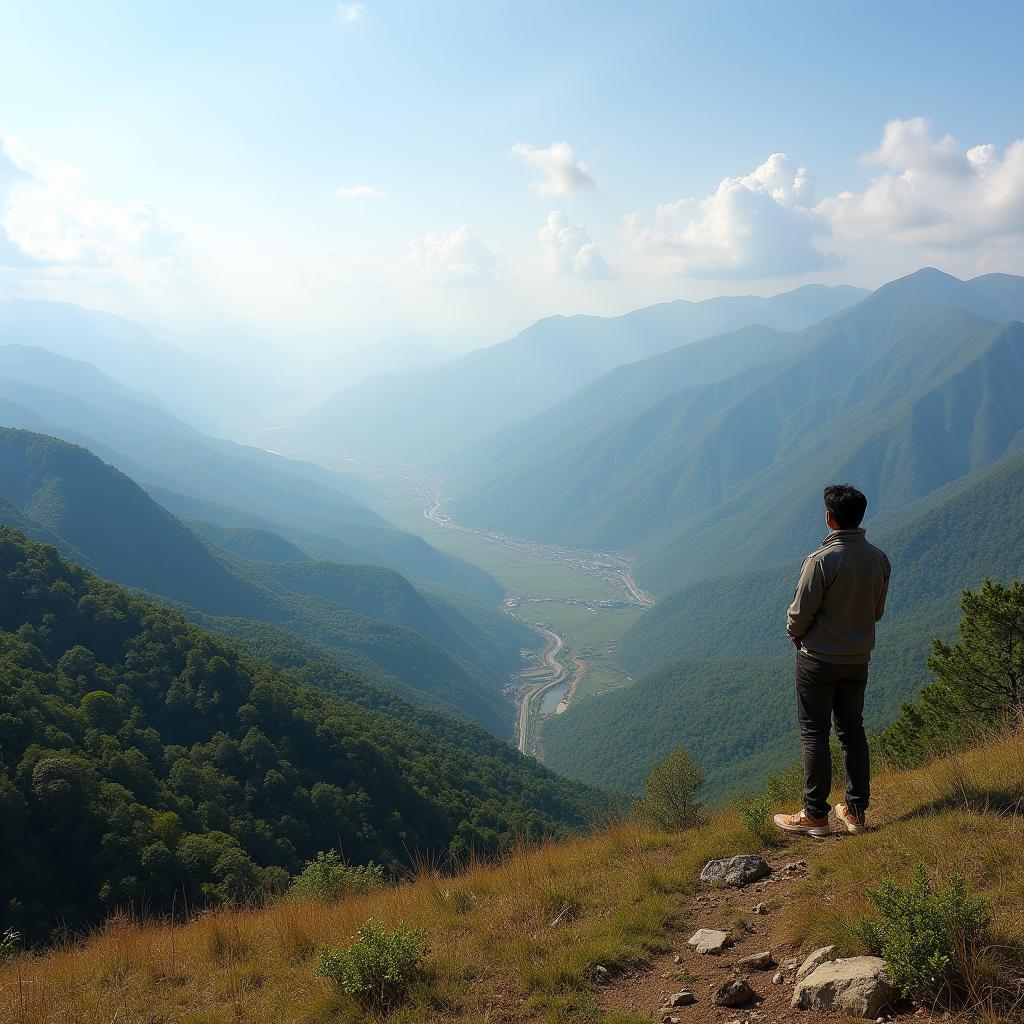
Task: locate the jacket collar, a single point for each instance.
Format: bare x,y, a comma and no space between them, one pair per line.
837,535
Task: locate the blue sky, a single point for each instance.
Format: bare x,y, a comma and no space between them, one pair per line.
336,173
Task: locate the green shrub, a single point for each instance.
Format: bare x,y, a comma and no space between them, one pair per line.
756,817
669,800
926,936
782,789
329,878
378,969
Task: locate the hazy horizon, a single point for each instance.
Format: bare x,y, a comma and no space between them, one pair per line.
320,178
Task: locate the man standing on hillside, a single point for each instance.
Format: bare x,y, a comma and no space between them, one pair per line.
839,597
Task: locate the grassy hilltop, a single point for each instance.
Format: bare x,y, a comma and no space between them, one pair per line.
495,951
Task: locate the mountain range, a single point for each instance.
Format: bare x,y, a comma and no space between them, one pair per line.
374,620
202,477
426,417
696,437
204,390
906,391
912,395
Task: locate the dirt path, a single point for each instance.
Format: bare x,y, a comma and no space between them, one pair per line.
646,991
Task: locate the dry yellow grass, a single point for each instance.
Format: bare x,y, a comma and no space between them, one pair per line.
495,954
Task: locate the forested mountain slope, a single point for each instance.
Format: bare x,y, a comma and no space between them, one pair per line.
125,535
249,542
974,528
251,487
428,415
344,542
143,760
480,477
717,666
149,440
427,643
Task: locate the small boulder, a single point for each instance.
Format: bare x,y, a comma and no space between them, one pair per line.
778,979
816,959
757,962
857,985
734,993
683,998
737,871
709,941
761,908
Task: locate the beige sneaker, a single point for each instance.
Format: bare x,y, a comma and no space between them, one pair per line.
802,822
851,822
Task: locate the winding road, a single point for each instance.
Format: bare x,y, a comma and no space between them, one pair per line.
550,657
434,511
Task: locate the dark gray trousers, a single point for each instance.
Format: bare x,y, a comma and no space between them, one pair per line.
828,694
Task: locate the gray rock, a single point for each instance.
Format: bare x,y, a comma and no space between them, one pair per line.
738,871
858,985
734,993
816,959
761,908
758,962
778,979
683,998
709,940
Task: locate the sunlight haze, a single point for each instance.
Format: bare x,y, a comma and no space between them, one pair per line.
317,176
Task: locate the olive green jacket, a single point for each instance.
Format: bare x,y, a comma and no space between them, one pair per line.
839,597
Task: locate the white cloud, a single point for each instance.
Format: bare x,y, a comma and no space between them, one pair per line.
359,192
760,224
13,170
14,164
569,252
934,194
564,175
350,13
456,260
46,225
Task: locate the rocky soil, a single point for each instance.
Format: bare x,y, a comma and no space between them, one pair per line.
729,965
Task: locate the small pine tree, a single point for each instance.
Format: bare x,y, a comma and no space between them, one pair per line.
984,669
669,800
979,679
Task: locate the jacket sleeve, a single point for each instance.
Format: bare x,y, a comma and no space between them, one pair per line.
880,600
810,589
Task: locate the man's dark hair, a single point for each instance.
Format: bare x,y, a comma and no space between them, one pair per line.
846,504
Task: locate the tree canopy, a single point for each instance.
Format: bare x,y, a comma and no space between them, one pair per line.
144,761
